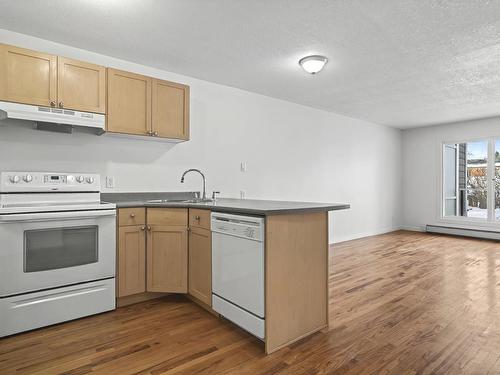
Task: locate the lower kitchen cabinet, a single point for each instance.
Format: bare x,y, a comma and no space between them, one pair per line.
167,259
158,253
131,260
200,264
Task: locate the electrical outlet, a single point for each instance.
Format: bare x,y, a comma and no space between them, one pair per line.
110,182
243,166
242,194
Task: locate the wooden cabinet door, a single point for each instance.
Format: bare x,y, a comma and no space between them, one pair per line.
81,86
27,76
131,260
200,264
170,109
199,218
167,259
129,103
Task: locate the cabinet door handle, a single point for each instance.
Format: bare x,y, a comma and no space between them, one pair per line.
149,228
143,228
132,215
197,218
61,104
155,134
52,103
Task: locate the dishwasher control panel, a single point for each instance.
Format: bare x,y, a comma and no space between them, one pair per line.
249,227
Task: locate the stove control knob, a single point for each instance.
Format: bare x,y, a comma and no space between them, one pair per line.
80,179
28,178
90,180
14,179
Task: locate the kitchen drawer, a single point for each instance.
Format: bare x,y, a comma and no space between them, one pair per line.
131,216
199,218
167,216
39,309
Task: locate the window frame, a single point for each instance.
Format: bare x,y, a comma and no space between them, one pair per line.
490,221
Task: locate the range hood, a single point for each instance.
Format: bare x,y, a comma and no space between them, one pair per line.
54,119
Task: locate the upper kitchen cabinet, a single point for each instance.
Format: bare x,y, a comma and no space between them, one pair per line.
144,106
37,78
27,76
170,110
129,103
81,86
134,104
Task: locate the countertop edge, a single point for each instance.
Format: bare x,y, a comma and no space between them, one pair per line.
279,211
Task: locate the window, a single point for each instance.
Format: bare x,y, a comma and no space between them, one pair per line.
496,187
471,180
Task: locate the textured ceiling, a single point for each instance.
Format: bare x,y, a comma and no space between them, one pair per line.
402,63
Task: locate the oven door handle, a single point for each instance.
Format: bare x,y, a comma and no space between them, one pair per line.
52,216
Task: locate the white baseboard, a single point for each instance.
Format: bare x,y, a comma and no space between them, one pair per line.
365,234
412,228
465,232
470,232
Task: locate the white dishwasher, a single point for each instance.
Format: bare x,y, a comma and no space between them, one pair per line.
238,270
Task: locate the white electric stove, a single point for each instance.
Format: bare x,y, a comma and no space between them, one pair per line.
57,253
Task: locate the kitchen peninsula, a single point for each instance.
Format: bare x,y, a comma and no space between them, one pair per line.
295,256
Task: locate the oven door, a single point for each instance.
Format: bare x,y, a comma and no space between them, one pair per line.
52,249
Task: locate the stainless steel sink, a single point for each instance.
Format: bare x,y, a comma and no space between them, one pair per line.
168,200
192,200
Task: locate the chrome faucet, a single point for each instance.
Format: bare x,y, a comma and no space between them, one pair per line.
204,197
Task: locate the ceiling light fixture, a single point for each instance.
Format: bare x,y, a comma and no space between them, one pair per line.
313,64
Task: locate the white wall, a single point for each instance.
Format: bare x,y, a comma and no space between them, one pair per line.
421,166
292,152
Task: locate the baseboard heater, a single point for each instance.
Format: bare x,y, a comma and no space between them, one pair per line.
465,232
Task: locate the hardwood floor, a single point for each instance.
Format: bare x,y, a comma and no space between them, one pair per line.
401,303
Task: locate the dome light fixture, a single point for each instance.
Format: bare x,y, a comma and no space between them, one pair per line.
313,64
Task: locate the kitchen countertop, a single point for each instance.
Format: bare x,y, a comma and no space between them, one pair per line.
229,205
